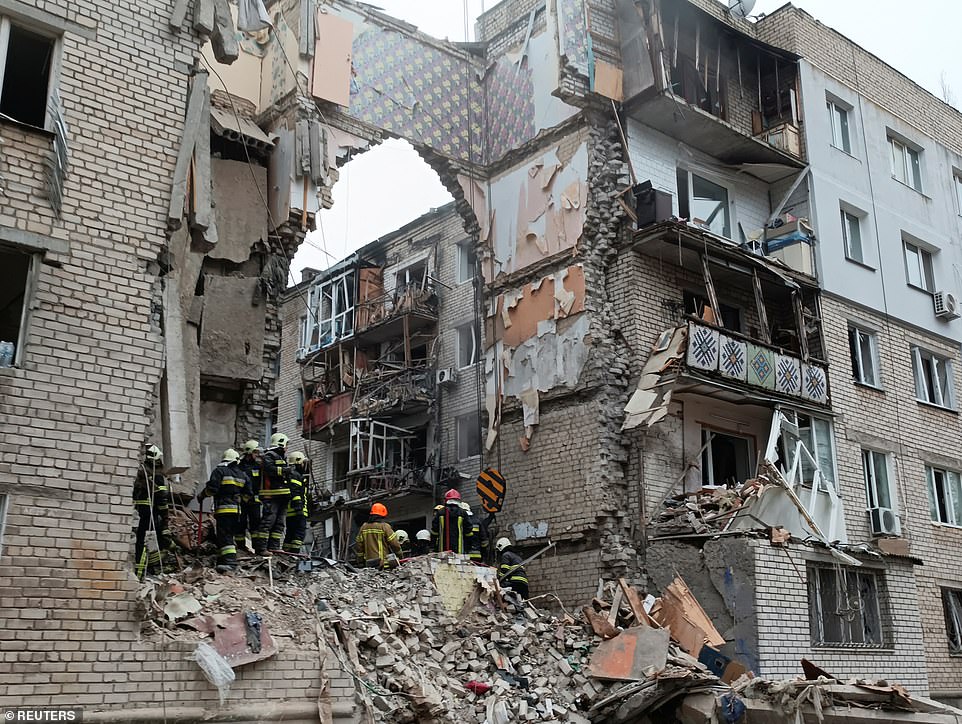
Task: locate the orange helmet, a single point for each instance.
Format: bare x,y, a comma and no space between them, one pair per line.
452,494
379,509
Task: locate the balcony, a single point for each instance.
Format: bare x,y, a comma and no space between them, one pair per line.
397,314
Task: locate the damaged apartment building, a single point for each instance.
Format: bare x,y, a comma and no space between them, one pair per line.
380,376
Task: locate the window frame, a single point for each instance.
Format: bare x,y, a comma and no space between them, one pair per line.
855,335
460,331
707,462
794,417
730,219
56,59
905,161
870,460
957,185
838,110
466,250
953,608
952,503
31,283
817,575
930,391
846,215
460,421
925,266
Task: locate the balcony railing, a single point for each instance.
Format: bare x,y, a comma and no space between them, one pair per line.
738,359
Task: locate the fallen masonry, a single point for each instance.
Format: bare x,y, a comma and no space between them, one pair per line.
437,640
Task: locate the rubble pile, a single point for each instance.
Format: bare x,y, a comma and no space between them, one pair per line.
702,511
437,640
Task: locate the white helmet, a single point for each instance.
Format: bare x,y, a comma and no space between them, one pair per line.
279,439
153,454
502,544
251,446
296,458
402,537
465,507
423,535
230,455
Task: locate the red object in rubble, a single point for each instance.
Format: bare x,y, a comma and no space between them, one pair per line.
478,687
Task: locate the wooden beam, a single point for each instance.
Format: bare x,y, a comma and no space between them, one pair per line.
710,287
195,109
800,323
762,312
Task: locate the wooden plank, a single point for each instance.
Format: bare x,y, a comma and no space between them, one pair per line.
692,610
332,59
615,607
634,602
800,323
195,109
710,286
760,304
204,16
609,80
177,14
223,41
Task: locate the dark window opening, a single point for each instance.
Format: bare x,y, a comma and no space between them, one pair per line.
952,605
469,436
726,461
844,607
14,272
26,77
731,317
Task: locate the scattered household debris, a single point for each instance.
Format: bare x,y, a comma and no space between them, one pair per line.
438,640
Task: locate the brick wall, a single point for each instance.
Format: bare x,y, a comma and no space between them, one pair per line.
891,421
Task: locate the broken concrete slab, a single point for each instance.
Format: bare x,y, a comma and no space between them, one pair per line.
635,654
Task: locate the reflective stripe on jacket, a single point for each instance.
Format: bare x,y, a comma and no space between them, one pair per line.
451,529
276,475
510,559
373,541
226,486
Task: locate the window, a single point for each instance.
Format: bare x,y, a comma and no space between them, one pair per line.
469,345
704,203
469,436
16,282
467,262
838,119
413,276
303,395
852,236
957,183
933,378
28,59
727,459
952,603
330,311
844,607
906,163
875,470
815,433
945,496
865,360
918,267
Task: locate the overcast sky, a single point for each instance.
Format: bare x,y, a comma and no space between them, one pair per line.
385,188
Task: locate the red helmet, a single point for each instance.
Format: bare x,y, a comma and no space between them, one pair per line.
379,509
452,494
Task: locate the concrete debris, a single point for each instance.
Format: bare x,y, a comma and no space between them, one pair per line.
438,641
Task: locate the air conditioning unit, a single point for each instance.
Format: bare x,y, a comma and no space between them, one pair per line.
884,521
946,305
446,375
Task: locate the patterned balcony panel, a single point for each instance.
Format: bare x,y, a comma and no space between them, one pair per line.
703,348
761,367
788,375
733,358
814,384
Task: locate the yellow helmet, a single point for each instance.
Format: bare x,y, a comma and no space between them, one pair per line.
251,446
296,458
230,455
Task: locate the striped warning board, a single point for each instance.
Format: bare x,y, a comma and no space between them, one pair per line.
491,490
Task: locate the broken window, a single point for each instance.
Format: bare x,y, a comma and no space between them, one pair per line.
303,395
727,459
933,378
731,317
414,276
16,282
952,604
704,203
467,261
469,436
945,496
469,345
330,312
28,58
844,606
865,360
815,434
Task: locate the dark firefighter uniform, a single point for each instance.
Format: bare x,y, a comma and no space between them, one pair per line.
297,511
514,578
275,494
152,503
475,541
227,485
251,507
451,529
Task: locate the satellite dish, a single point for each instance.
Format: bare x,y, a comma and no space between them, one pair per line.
740,8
